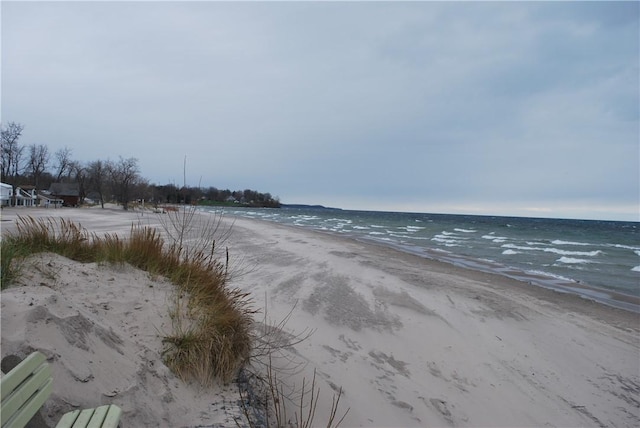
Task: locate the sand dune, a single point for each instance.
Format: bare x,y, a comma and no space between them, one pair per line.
412,342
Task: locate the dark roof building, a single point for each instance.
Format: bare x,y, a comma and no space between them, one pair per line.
68,192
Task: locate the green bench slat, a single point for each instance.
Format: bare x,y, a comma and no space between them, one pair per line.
20,396
68,419
25,414
106,416
15,377
83,418
98,416
26,388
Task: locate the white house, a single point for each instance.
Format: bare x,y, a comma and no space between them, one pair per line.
25,197
5,194
22,198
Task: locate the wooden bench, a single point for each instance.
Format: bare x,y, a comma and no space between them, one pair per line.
28,385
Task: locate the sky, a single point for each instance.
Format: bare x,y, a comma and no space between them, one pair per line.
499,108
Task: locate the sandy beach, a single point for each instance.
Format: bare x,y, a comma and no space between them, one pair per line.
412,342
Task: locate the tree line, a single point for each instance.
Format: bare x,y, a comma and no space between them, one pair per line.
118,181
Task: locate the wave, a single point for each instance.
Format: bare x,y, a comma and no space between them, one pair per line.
510,252
636,269
519,247
573,253
340,220
560,242
554,250
451,235
415,227
496,239
465,230
572,261
447,242
492,236
550,275
447,237
410,229
625,247
400,236
417,238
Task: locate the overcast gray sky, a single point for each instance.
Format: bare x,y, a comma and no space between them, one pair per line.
504,108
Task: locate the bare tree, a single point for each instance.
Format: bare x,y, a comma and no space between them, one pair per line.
63,158
78,173
11,153
97,172
38,161
124,176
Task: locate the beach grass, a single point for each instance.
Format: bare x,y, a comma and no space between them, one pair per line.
10,258
211,337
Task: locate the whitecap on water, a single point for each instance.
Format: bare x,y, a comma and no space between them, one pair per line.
443,239
554,250
495,239
572,253
560,242
510,252
519,247
572,261
626,247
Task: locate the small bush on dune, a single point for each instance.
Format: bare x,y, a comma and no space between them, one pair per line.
216,318
208,343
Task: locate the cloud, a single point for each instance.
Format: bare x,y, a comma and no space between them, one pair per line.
474,104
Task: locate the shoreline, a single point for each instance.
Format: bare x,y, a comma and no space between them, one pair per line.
569,300
412,341
544,280
603,292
